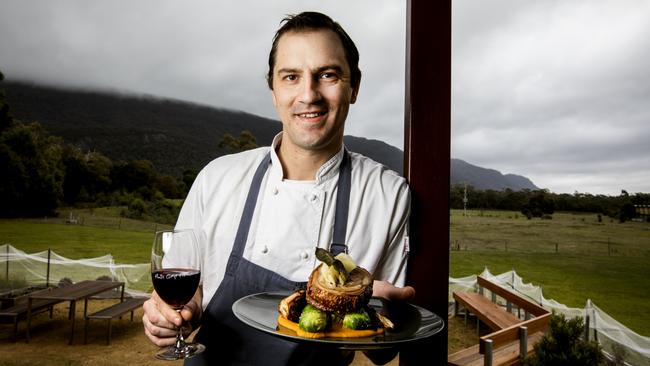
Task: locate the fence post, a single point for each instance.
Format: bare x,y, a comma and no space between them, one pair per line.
47,275
523,342
7,263
609,248
487,357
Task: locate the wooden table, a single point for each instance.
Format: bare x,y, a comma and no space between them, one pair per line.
73,293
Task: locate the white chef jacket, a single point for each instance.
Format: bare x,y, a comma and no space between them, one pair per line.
292,218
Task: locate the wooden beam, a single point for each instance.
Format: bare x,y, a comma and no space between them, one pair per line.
426,165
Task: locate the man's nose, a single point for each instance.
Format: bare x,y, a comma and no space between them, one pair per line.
310,92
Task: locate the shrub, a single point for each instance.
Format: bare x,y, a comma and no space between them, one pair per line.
563,345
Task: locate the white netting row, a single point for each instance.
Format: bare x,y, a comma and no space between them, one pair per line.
47,267
611,334
20,269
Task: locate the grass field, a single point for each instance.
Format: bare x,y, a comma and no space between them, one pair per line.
606,262
96,232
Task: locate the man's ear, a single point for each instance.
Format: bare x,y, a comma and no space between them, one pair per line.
275,101
355,91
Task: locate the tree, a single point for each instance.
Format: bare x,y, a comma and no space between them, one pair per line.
169,186
246,141
539,204
32,171
134,175
5,116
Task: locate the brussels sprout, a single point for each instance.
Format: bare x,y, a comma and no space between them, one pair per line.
312,319
358,320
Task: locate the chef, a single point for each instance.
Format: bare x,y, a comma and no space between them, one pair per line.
263,212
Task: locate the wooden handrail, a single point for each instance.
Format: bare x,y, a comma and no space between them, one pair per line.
525,304
511,333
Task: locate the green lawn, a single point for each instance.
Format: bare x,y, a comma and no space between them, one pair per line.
606,262
585,267
77,241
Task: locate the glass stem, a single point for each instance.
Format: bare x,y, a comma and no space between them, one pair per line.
180,340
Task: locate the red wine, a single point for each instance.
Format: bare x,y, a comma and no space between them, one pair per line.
176,286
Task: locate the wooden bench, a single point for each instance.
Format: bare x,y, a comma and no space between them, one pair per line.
112,312
19,311
512,337
506,354
490,313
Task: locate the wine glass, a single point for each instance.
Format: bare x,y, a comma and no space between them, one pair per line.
175,273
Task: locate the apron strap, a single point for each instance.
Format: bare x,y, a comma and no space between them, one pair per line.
342,205
249,207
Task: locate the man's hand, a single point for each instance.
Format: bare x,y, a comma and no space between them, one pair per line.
161,321
389,292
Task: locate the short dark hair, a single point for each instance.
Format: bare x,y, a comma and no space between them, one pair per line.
314,21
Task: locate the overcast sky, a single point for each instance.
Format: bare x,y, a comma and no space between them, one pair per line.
557,91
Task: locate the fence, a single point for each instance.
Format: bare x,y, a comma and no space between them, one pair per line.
613,336
46,268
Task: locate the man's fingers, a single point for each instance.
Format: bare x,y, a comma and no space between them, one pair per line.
390,292
403,293
160,321
158,335
162,314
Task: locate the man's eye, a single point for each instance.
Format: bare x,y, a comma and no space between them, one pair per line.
290,78
328,75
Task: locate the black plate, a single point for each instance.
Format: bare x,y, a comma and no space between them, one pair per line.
412,322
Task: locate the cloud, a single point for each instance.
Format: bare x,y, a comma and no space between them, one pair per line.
556,91
211,52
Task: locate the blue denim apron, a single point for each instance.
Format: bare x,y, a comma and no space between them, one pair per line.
228,341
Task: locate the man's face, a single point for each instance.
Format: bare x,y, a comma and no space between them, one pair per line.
311,90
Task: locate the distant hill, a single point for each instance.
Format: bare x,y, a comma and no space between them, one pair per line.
482,178
177,135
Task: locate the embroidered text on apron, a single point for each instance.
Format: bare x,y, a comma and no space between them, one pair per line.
229,341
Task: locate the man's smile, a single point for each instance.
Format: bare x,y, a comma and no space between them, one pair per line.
310,114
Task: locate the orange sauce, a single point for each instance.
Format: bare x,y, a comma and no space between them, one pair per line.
335,331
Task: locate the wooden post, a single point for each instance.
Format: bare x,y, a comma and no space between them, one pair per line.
523,343
47,275
7,264
426,165
487,357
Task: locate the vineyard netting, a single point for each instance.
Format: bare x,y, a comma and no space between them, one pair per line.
614,337
21,270
46,268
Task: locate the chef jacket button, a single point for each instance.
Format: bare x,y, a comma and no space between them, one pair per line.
265,250
313,198
275,190
304,255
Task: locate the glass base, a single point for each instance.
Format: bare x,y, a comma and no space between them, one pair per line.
178,353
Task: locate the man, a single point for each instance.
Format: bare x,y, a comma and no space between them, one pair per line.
264,211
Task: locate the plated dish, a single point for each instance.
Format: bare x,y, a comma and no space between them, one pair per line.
412,322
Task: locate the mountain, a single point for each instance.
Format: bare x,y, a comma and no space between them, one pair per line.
177,135
483,179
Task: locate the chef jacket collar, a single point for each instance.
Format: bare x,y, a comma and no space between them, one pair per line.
326,172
